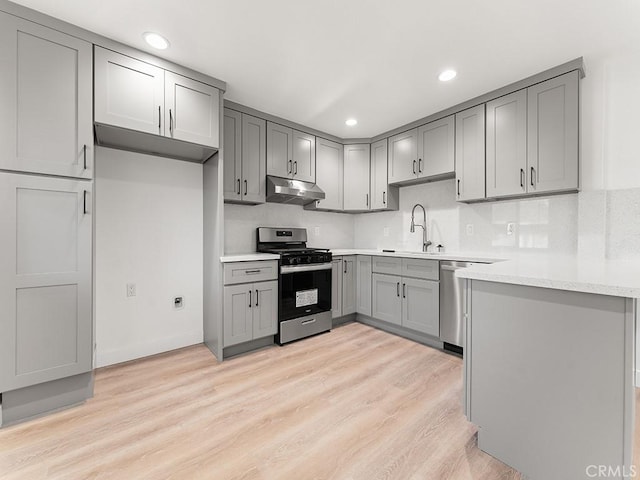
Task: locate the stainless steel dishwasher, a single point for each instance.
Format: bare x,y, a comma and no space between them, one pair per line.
452,305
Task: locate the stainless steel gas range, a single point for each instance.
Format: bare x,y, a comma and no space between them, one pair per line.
304,283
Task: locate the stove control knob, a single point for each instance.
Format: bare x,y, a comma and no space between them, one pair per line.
309,259
293,261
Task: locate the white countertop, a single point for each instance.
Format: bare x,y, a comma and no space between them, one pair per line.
249,257
620,278
456,256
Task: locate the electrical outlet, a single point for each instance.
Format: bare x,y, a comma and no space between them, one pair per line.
178,302
470,229
131,289
316,231
385,231
511,228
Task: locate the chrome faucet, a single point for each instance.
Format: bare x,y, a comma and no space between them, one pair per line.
412,229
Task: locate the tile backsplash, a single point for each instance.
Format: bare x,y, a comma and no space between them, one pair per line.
591,223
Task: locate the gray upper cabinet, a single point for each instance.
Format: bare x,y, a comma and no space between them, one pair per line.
552,137
304,157
329,173
232,155
45,279
470,154
383,195
356,174
436,146
193,110
403,156
507,145
133,99
45,100
244,158
290,153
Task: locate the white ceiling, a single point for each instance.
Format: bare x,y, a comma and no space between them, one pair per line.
319,62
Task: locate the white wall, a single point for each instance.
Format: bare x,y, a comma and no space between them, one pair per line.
324,230
148,232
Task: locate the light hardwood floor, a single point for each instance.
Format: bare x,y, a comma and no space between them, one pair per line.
356,403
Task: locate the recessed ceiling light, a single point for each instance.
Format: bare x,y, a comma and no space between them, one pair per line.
156,40
351,122
447,75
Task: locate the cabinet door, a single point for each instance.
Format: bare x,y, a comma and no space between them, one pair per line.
329,173
470,154
265,310
238,314
45,279
336,287
386,301
403,156
552,137
254,163
356,175
379,174
232,154
363,284
128,93
304,157
348,285
279,150
421,305
436,146
46,120
507,145
192,109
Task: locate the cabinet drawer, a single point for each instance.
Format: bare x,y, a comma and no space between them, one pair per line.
388,265
418,268
248,272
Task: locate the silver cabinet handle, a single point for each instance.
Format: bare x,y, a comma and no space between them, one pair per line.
249,298
384,198
398,289
170,122
252,272
238,186
84,151
257,297
419,165
84,203
404,294
414,167
533,174
521,178
245,187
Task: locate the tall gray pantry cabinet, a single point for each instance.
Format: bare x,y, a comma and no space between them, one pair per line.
46,219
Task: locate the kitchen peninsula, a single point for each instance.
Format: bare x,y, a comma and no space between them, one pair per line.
549,358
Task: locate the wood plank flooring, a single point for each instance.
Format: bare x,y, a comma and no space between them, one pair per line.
356,403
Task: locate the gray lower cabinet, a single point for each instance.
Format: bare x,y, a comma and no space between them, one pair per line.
349,285
470,154
336,287
363,284
45,279
406,292
356,177
245,139
46,97
250,311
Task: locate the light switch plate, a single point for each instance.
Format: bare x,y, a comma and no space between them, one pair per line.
469,229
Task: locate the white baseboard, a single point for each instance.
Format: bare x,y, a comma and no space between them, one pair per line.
140,350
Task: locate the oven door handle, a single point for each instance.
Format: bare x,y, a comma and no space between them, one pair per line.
285,269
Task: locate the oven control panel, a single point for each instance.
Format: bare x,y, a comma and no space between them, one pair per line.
306,259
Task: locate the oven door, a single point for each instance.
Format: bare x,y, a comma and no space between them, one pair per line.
304,290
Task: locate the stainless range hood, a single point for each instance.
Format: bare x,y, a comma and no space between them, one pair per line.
295,192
